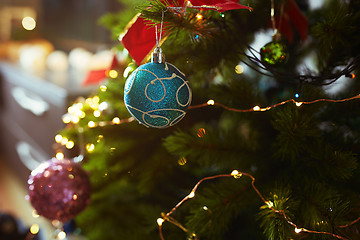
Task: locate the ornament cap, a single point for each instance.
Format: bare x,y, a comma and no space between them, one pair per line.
157,56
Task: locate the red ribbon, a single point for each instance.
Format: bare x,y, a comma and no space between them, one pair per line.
139,39
94,77
293,17
219,5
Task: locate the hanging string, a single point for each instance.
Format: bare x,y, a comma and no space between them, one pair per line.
158,38
272,15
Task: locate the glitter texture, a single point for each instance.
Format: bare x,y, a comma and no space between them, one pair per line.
274,53
59,189
157,95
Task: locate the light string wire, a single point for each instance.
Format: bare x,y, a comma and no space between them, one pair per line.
118,121
256,64
236,174
259,109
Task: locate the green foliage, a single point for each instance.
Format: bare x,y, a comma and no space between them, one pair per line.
273,223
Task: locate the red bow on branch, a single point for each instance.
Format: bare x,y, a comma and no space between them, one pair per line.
218,5
293,18
139,37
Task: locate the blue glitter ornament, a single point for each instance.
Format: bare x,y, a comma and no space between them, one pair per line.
157,94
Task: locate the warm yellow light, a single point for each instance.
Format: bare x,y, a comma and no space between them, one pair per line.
61,235
69,144
75,197
93,102
160,221
256,108
191,195
81,114
239,69
210,102
298,104
103,88
79,105
59,155
90,147
99,138
116,120
64,140
58,138
66,119
113,74
71,110
35,214
96,99
28,23
127,71
34,229
201,132
75,119
270,204
182,161
298,230
205,208
236,174
91,124
199,16
97,113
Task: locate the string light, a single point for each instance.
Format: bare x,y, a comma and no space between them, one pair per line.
75,112
97,113
191,195
103,88
113,73
201,132
257,108
350,75
239,69
34,229
236,174
182,161
58,138
70,144
61,235
210,102
160,221
199,16
28,23
90,147
59,155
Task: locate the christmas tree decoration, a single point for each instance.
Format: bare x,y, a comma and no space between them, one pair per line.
218,5
59,189
138,38
157,94
274,53
301,149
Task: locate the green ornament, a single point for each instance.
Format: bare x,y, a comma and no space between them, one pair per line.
274,53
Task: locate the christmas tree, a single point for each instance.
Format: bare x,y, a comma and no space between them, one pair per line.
269,146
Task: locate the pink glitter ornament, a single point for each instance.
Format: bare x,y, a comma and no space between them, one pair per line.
59,189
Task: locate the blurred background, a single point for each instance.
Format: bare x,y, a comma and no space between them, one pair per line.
48,48
65,23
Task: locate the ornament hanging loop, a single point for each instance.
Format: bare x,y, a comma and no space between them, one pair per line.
276,34
157,56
